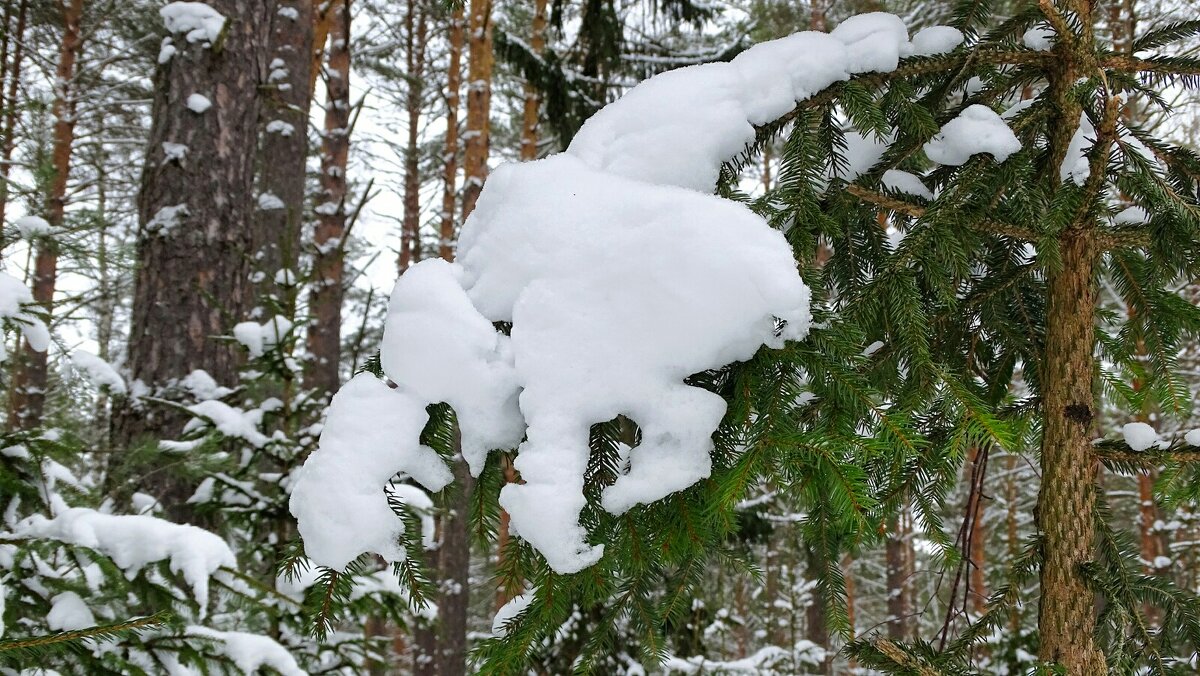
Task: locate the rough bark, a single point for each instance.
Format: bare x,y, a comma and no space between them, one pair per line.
193,268
896,556
13,74
322,372
416,22
977,549
454,564
450,158
283,136
29,381
530,114
479,98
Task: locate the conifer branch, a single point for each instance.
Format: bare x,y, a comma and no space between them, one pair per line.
34,646
917,211
1157,64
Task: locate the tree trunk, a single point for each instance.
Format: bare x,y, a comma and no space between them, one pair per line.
450,159
454,564
1066,503
416,25
29,380
324,333
194,241
897,580
977,544
531,114
817,626
479,99
283,136
9,110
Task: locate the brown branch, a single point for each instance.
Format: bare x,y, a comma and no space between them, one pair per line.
917,211
1130,64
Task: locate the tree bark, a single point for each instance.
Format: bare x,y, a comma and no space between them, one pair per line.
9,110
479,100
1066,503
531,114
322,372
977,549
283,147
897,580
450,158
454,564
29,380
416,28
194,242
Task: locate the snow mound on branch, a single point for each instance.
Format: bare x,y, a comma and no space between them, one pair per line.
978,129
371,433
198,103
1139,436
199,21
251,652
31,227
936,40
507,612
98,372
258,339
14,297
68,612
1040,38
136,541
228,420
621,276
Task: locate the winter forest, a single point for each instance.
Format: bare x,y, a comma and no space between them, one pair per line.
636,337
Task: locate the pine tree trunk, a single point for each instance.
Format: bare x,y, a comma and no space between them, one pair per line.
479,98
897,580
193,267
9,110
29,381
816,624
416,25
531,114
1066,503
454,564
450,157
322,372
977,551
283,147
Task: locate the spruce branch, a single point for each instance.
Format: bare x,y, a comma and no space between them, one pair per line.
917,211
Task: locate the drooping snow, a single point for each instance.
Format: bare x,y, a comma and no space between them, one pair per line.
936,40
1131,216
280,127
15,298
1040,38
443,350
99,372
228,420
978,129
251,652
136,541
199,21
1139,436
1192,438
198,103
621,276
1075,165
338,497
31,227
270,202
68,612
507,612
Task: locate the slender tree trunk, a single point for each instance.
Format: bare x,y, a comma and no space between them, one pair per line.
325,303
283,146
29,380
897,580
450,158
8,139
416,28
817,625
531,114
194,243
977,550
479,100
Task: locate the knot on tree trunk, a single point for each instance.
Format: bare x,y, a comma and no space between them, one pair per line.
1080,413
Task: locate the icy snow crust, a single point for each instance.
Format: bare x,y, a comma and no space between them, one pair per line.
620,274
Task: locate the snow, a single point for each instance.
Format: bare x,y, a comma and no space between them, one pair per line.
1192,438
978,129
509,611
443,350
905,182
14,297
135,541
280,127
166,50
228,420
936,40
99,372
285,277
1040,38
199,21
166,218
338,496
621,275
1132,216
270,202
198,103
251,652
68,612
31,227
1075,163
872,348
203,386
174,152
1139,436
259,339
